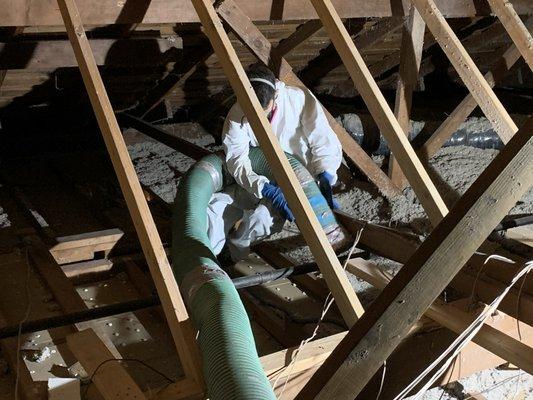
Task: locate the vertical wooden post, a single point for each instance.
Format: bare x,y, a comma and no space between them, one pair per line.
452,123
467,69
167,288
410,59
366,85
315,237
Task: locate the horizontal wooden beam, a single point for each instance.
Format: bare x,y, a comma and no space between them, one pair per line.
51,54
103,12
368,344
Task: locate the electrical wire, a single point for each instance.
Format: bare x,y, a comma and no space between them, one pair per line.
120,360
327,304
464,338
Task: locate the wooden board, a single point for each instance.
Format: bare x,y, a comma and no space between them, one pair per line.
467,69
103,12
52,54
411,166
410,59
83,247
326,258
518,31
261,47
427,272
167,288
110,377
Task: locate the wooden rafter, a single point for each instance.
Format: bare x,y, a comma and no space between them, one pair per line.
326,258
427,272
452,123
518,31
381,112
259,45
497,342
467,69
168,84
329,59
176,314
410,60
300,35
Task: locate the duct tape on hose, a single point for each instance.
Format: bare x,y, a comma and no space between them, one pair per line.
199,276
216,177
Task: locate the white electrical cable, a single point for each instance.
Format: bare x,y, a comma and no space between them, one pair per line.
464,338
327,304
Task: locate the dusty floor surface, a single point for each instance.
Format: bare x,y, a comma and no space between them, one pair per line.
452,169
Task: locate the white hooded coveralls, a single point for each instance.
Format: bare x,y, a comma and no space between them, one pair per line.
302,130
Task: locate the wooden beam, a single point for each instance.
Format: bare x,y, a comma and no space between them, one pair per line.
467,69
259,45
183,146
51,54
300,35
499,343
110,377
167,85
412,167
167,288
329,59
518,31
82,247
103,12
410,59
325,257
452,123
427,272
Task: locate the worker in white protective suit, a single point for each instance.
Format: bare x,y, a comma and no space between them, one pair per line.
254,207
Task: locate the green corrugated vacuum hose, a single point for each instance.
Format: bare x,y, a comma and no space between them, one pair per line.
231,366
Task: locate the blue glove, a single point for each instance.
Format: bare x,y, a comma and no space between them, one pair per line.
273,193
325,180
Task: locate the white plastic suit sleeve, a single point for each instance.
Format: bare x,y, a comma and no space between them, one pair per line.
326,150
236,147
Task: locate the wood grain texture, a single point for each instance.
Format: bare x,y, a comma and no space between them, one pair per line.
467,69
390,128
518,31
167,288
110,377
103,12
315,237
259,45
410,60
427,272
